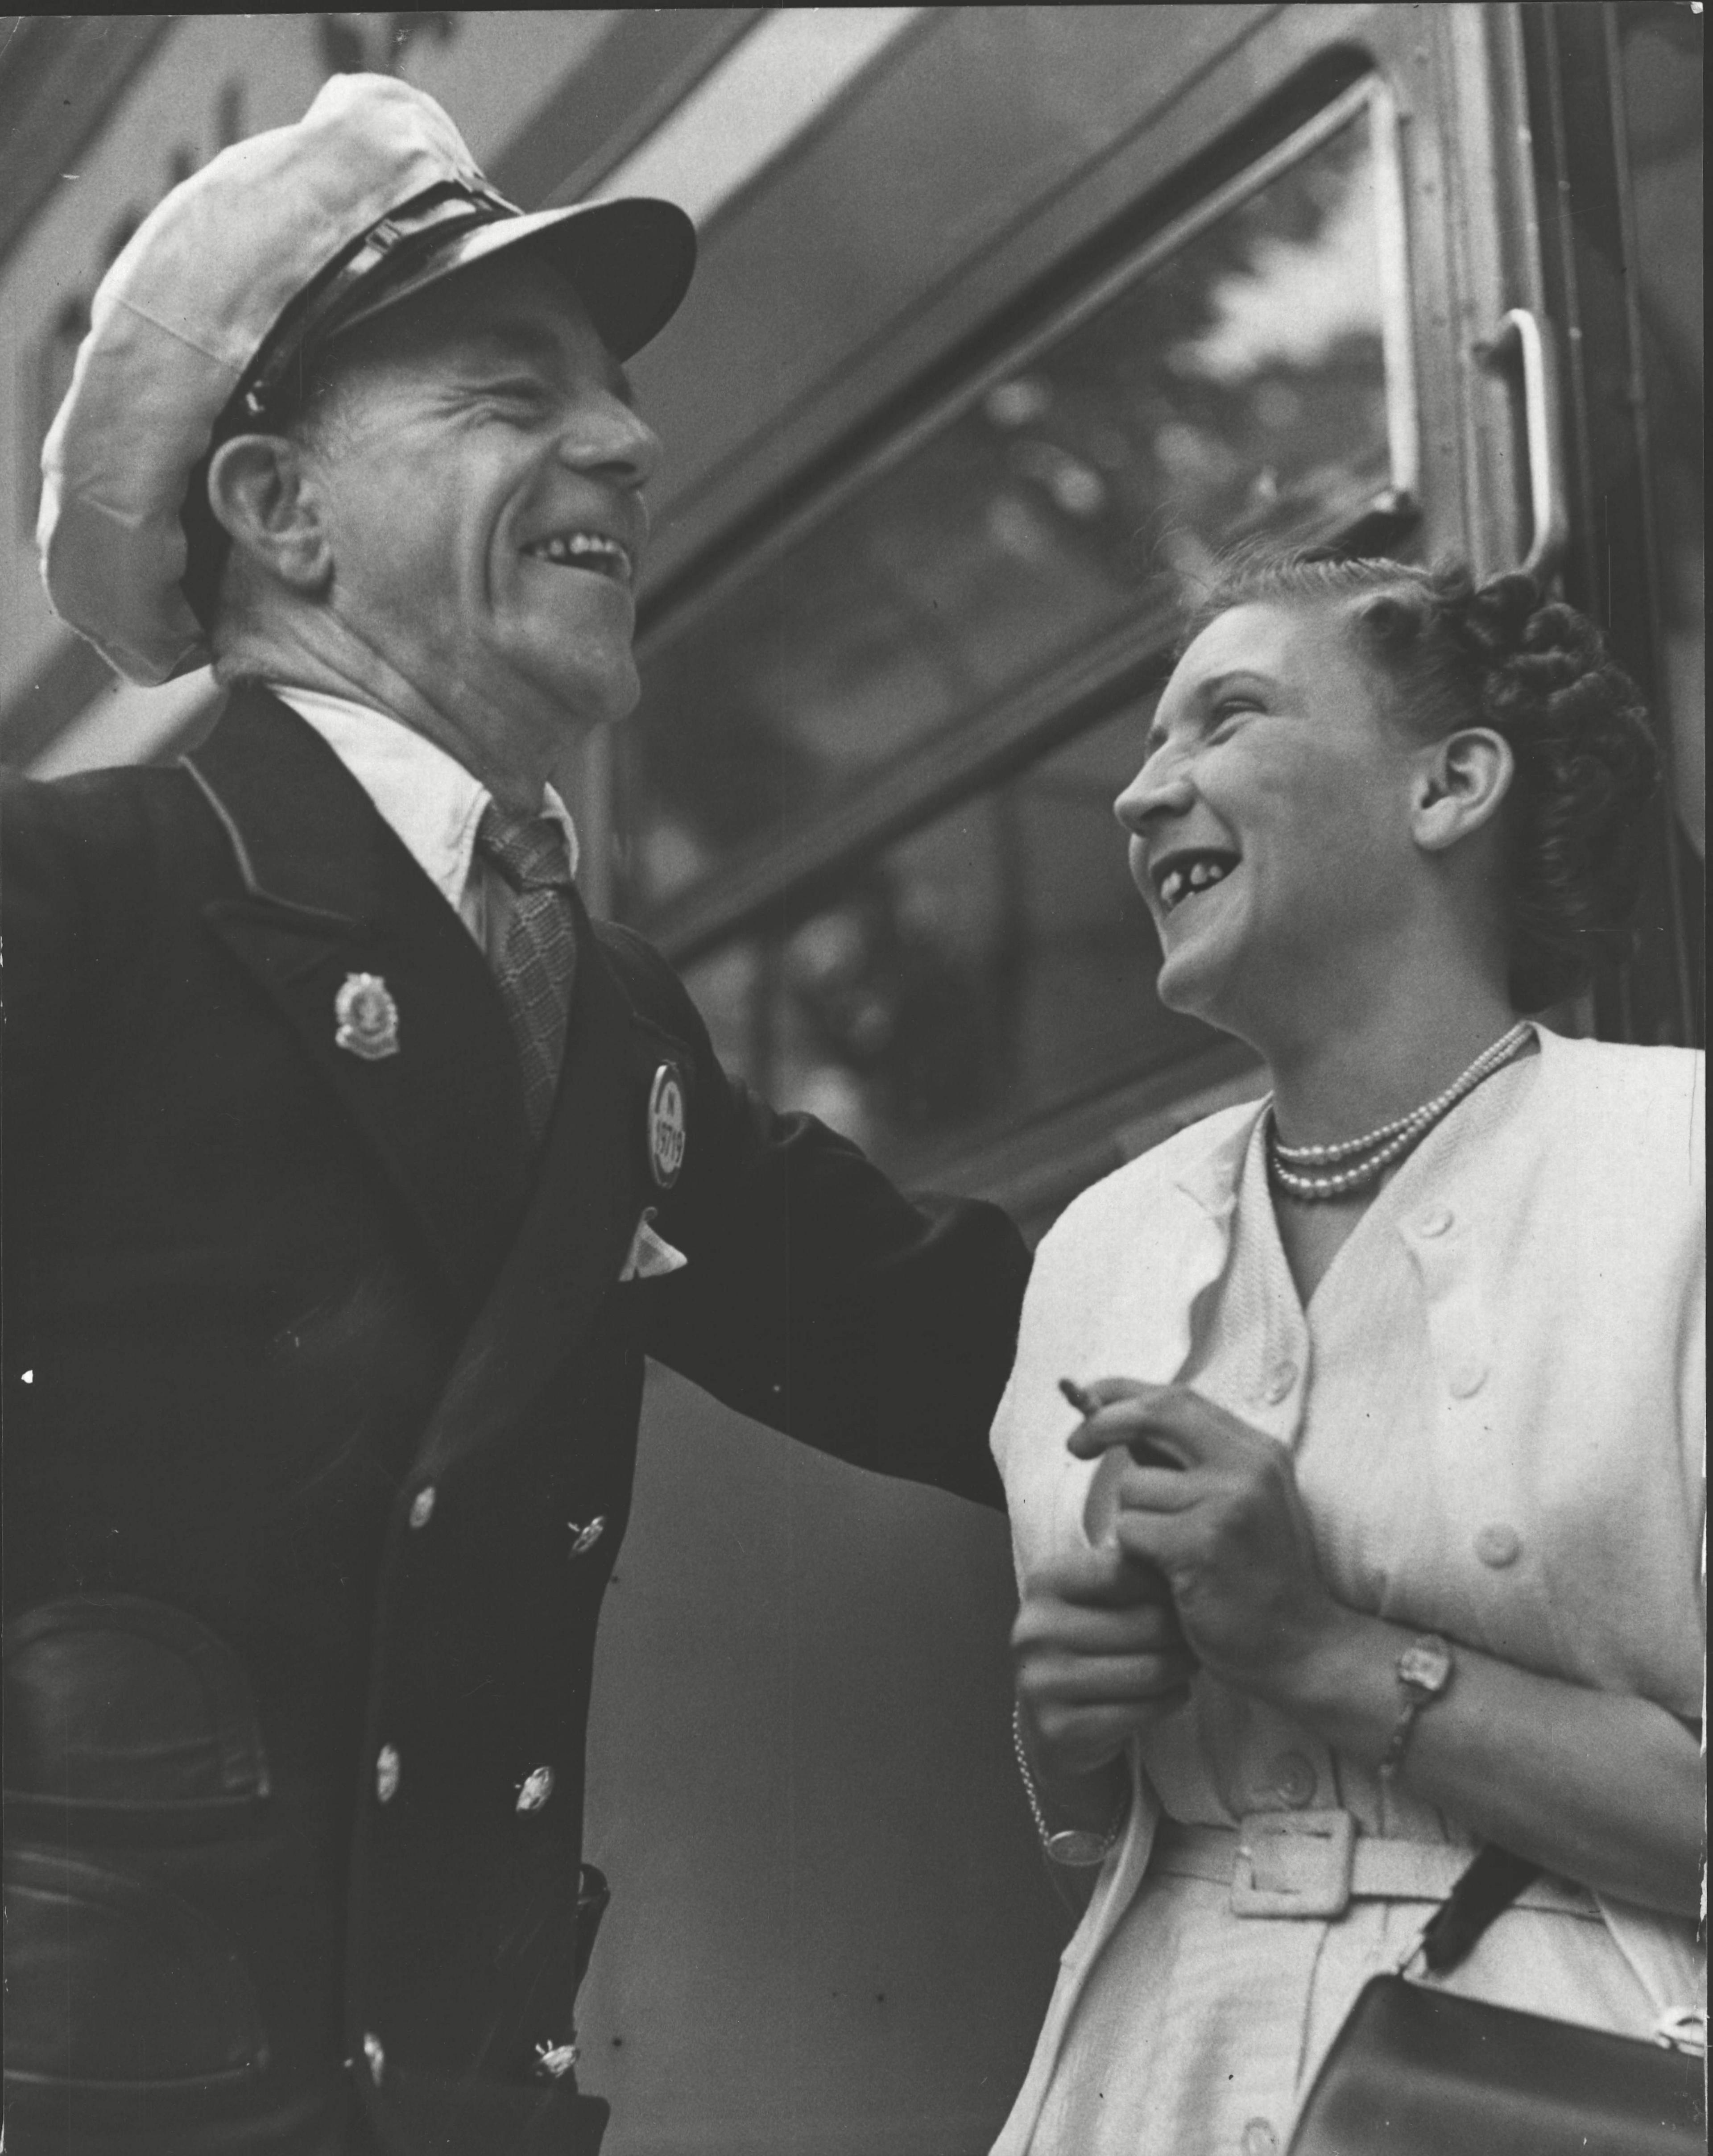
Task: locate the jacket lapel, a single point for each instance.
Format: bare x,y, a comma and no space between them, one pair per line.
1199,1255
579,1227
329,891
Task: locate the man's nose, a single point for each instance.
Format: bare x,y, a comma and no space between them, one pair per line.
611,439
1162,788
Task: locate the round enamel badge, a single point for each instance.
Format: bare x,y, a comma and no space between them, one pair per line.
666,1131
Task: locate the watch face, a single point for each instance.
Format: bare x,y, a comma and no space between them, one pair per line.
1425,1664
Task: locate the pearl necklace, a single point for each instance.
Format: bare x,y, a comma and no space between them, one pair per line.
1372,1155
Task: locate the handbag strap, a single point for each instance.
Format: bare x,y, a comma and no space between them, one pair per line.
1486,1890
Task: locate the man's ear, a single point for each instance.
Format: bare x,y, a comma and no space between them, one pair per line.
1459,785
259,490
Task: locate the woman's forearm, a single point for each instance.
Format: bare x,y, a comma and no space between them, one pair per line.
1599,1787
1602,1787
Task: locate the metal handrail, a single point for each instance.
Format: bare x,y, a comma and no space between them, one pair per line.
1520,332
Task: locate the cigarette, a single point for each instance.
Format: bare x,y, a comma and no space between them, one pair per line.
1142,1450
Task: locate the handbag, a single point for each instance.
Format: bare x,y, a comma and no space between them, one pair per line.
1415,2072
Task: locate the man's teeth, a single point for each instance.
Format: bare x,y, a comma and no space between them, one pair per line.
586,548
1177,883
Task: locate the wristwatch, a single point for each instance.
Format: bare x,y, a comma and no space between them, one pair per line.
1423,1672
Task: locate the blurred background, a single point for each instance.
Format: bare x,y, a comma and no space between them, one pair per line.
1007,319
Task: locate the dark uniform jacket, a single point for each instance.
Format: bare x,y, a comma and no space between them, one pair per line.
321,1403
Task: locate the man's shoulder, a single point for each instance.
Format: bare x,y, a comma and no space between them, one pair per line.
643,973
650,982
96,865
91,823
109,793
633,954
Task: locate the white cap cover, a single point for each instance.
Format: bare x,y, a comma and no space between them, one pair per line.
184,311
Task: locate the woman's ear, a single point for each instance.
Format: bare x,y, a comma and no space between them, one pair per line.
1459,783
259,490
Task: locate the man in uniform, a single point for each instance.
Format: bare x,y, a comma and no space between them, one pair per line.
354,1173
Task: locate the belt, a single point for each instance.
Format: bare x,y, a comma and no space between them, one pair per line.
1314,1864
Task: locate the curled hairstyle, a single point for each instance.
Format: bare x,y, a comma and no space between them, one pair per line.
1502,655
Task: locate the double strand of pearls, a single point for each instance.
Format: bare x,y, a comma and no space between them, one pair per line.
1372,1155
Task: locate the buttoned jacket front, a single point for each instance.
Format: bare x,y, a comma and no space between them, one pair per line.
1564,1296
306,1347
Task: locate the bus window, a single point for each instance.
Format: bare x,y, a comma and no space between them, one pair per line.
993,966
1246,371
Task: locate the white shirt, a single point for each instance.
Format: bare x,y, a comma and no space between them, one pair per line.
430,800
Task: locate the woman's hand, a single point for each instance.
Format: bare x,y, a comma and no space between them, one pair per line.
1220,1520
1098,1654
1600,1787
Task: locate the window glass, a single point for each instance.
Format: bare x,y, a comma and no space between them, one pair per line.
1231,381
997,964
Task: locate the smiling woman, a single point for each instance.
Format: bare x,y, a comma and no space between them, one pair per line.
1354,1353
1267,778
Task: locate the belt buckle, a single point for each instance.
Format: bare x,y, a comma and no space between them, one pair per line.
1293,1864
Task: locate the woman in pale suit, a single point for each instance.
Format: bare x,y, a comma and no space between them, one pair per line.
1382,1537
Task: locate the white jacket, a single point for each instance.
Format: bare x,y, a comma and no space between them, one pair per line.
1565,1298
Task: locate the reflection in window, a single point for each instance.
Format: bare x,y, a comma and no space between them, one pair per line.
997,964
1235,382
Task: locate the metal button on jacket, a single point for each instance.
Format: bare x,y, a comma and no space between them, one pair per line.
422,1506
1467,1375
535,1790
1498,1545
1434,1223
386,1766
1259,2138
376,2056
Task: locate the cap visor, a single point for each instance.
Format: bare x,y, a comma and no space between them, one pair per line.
630,262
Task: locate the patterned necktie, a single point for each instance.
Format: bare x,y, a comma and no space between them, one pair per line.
537,957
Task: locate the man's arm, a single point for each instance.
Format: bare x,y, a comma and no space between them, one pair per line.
818,1298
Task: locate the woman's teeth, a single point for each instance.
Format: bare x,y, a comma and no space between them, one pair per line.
1177,883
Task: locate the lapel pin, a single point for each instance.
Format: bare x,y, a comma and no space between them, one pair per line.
666,1128
367,1016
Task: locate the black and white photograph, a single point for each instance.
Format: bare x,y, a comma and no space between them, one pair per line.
852,1276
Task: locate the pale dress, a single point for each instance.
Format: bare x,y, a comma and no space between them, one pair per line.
1195,2030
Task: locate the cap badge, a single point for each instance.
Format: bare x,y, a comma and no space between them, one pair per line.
367,1016
666,1126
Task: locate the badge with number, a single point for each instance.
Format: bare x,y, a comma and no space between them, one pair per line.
666,1126
367,1016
